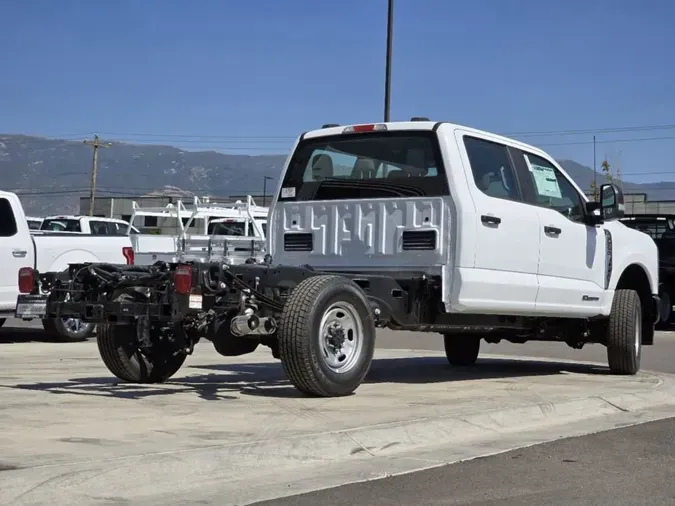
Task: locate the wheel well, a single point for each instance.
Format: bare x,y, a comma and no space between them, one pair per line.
635,278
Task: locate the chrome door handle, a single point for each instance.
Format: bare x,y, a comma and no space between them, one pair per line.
19,253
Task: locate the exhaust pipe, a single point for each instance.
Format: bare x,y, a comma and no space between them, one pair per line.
252,325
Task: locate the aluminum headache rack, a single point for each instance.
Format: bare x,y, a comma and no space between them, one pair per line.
232,250
203,209
203,246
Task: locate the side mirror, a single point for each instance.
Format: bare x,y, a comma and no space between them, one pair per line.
611,202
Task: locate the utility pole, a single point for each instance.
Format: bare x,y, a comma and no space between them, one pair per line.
265,178
595,169
387,78
96,143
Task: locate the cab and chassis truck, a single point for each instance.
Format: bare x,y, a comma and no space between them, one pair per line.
417,225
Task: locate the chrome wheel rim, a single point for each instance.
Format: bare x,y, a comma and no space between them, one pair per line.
340,337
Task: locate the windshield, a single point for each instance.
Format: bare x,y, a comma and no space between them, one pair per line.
234,227
229,228
61,225
366,166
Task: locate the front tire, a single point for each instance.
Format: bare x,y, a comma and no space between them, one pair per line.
326,336
624,333
68,330
461,351
665,308
119,349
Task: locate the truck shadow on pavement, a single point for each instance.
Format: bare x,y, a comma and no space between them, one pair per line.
231,381
26,335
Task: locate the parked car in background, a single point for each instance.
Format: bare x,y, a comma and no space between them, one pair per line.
53,251
661,228
92,225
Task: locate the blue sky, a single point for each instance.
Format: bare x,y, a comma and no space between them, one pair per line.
248,76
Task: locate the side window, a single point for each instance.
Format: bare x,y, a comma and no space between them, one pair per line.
115,228
492,169
7,219
98,227
552,189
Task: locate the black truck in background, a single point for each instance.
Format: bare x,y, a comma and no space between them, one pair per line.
661,228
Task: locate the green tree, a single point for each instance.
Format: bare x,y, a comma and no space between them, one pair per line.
594,190
607,171
609,178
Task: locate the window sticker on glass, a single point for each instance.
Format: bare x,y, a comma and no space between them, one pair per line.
545,180
288,192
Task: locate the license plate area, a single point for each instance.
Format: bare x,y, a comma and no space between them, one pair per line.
31,306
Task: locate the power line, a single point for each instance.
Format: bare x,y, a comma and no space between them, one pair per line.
280,150
609,141
596,131
264,138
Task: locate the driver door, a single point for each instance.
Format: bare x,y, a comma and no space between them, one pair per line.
572,261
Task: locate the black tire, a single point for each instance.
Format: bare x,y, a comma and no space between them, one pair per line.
624,333
2,321
303,348
58,329
118,347
461,350
665,308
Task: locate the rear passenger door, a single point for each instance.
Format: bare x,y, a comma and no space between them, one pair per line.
572,261
504,277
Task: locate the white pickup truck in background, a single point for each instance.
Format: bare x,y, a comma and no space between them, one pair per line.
48,252
87,225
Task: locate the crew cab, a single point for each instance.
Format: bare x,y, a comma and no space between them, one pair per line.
420,226
21,247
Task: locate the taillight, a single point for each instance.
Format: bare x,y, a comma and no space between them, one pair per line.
26,279
182,279
128,254
355,129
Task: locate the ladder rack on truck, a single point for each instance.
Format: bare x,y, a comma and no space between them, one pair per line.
245,223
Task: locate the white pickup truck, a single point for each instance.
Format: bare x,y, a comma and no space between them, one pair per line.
49,252
87,225
420,226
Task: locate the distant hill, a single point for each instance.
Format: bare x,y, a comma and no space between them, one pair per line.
583,176
52,174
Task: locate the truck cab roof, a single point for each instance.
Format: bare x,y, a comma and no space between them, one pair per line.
435,126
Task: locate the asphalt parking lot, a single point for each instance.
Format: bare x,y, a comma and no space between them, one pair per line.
74,435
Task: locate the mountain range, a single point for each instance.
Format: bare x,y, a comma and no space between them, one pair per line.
51,174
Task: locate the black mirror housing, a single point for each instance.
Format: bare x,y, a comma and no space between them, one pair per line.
612,205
